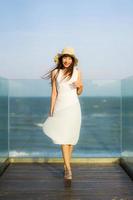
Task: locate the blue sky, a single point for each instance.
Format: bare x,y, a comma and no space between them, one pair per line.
33,31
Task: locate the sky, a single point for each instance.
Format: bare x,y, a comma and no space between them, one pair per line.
32,32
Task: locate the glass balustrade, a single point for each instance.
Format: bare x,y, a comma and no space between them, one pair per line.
4,137
106,128
127,122
100,134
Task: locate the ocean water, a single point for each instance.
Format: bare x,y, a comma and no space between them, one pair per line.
100,134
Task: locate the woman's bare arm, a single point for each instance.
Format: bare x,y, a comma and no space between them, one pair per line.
53,94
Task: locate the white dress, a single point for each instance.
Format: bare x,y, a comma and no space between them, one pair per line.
64,126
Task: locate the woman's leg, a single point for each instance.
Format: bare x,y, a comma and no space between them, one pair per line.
66,155
70,152
70,147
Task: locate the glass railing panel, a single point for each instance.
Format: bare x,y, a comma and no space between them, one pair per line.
101,119
101,125
127,121
4,154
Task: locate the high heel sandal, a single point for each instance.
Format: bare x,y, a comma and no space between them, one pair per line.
67,174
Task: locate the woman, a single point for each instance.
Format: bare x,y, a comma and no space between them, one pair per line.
64,120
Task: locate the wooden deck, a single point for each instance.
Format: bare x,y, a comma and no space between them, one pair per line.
42,181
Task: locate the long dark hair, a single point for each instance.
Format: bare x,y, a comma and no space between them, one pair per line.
68,72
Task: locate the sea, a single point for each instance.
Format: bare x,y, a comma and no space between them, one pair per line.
100,133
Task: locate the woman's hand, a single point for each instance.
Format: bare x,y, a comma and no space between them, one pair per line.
77,84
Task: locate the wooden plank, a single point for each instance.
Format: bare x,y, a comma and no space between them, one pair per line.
45,181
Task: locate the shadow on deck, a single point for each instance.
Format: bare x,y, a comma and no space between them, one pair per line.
42,181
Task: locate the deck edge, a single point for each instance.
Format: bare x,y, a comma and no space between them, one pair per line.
60,160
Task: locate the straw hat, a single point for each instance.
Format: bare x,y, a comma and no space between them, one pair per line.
68,51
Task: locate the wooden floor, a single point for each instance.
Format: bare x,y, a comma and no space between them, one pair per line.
42,181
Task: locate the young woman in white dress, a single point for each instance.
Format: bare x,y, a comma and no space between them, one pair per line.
65,68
